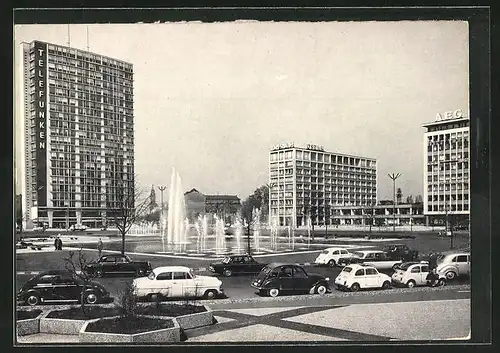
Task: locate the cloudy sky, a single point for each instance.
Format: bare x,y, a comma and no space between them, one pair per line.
212,99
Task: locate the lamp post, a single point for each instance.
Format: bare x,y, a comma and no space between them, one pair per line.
394,176
161,188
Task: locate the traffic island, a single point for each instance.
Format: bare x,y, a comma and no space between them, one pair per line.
28,322
130,329
70,321
187,315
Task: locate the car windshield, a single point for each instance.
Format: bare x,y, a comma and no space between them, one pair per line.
347,269
264,272
226,260
324,252
440,258
151,275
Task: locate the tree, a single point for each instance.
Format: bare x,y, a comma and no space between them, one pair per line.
327,218
399,195
76,267
409,199
418,199
130,207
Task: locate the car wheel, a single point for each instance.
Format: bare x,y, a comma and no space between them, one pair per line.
321,289
331,263
99,273
411,283
227,273
441,282
33,299
450,275
355,287
155,297
91,298
210,294
273,292
386,285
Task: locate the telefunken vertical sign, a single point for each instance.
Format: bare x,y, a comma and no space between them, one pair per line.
41,121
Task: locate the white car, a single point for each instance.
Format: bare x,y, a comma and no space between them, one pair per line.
359,276
331,256
452,264
376,258
78,227
412,274
176,282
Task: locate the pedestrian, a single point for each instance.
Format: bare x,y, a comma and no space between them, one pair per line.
99,247
60,243
56,243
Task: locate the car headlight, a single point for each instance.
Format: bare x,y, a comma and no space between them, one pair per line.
327,278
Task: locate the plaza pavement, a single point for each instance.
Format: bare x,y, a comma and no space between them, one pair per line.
375,322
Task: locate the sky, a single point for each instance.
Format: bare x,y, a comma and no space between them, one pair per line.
211,99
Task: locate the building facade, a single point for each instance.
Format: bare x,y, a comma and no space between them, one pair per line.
225,206
309,183
78,132
379,215
446,168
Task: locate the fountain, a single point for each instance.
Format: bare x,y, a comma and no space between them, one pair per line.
274,234
238,232
256,230
177,230
220,236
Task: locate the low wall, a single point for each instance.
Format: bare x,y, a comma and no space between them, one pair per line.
60,326
190,321
165,335
28,326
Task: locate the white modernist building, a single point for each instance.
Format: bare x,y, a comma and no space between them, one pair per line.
446,166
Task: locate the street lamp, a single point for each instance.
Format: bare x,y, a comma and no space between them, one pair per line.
161,188
394,176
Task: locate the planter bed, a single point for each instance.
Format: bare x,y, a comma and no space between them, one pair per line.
188,316
28,322
70,321
130,329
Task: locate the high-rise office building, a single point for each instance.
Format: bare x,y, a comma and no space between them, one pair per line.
308,183
446,167
78,133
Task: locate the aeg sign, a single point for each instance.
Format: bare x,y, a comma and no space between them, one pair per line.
41,121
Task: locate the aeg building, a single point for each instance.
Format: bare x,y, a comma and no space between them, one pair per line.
308,183
78,132
446,168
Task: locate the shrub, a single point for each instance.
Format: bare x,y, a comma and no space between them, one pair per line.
128,300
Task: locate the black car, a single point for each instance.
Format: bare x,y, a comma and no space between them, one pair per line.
277,278
60,286
118,265
401,252
236,264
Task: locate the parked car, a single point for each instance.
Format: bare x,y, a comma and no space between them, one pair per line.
176,282
331,256
376,258
277,278
411,274
60,286
236,264
401,252
79,227
39,228
117,265
361,276
444,233
452,264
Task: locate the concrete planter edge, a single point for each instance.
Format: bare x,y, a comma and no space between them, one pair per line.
28,326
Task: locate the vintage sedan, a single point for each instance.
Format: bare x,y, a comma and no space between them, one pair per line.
118,264
361,276
376,258
277,278
176,282
401,252
236,265
452,264
60,286
331,256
